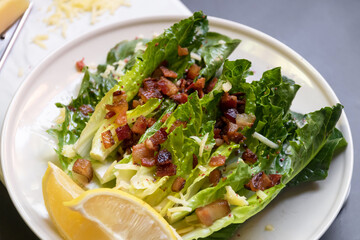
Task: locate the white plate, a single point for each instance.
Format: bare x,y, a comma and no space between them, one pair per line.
298,213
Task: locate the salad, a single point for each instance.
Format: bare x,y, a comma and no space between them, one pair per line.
173,122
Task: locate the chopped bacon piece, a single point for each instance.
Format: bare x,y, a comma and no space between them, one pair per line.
195,161
163,157
212,212
167,72
165,117
140,151
150,122
119,96
211,85
166,170
178,184
167,87
107,139
159,137
148,162
84,168
123,132
80,65
249,157
198,85
150,84
86,109
110,115
180,98
217,161
176,124
217,132
136,103
261,181
231,114
193,71
214,177
228,101
140,125
145,95
182,51
119,107
275,178
232,133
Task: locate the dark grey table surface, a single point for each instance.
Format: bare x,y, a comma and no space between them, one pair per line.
327,34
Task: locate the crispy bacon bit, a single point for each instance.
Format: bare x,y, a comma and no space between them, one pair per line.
140,151
217,161
167,87
228,101
123,132
159,137
145,95
217,132
275,178
107,139
180,98
249,157
140,125
150,122
232,133
212,212
86,109
120,107
182,51
163,157
211,85
214,177
110,115
195,161
165,117
176,124
261,181
166,170
198,85
167,72
150,84
231,114
84,168
136,103
148,162
193,71
178,184
119,96
80,65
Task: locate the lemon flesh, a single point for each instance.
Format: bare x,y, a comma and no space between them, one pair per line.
122,215
57,188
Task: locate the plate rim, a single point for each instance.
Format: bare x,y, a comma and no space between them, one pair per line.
213,21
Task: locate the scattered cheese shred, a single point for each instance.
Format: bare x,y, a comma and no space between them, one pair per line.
179,209
264,140
227,86
63,11
38,40
269,228
177,200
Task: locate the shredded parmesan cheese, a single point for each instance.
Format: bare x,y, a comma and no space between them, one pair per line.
264,140
179,209
65,11
177,200
195,56
38,40
227,86
68,151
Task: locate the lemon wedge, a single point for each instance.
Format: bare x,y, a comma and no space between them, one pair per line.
58,187
122,215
